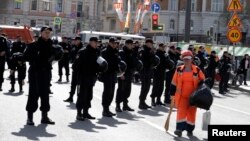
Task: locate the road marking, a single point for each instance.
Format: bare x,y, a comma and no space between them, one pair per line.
232,109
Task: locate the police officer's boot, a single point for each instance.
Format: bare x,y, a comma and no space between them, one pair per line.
107,113
70,99
30,119
79,115
127,108
86,114
60,79
45,119
118,107
12,88
20,88
158,102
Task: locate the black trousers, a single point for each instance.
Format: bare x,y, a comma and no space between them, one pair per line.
63,64
210,74
109,81
227,77
146,76
39,83
85,94
223,81
21,70
169,77
2,66
245,76
124,90
73,84
158,85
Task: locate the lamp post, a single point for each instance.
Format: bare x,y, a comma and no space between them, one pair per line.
187,21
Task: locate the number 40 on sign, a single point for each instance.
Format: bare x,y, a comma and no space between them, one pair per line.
234,35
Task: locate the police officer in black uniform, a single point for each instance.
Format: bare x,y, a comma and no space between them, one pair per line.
40,55
77,45
224,67
170,73
125,80
64,62
201,55
17,63
3,50
159,75
210,70
109,78
87,66
147,56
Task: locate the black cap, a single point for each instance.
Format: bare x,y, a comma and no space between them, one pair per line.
161,45
172,47
178,48
112,39
93,39
149,41
46,28
78,38
214,52
129,41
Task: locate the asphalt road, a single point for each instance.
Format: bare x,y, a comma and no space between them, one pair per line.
147,125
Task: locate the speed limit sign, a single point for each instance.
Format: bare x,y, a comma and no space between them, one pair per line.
234,35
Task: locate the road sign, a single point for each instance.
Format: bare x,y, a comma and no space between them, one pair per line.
234,35
234,21
235,5
155,7
57,20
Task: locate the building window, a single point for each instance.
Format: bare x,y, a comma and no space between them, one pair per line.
79,6
46,6
112,24
172,24
59,6
173,5
191,25
110,5
193,5
34,5
33,23
217,5
46,22
17,4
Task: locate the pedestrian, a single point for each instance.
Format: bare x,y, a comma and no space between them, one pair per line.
185,81
3,51
224,71
87,65
40,55
245,65
125,81
64,62
109,78
211,69
76,46
17,63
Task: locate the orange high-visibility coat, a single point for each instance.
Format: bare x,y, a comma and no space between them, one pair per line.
186,83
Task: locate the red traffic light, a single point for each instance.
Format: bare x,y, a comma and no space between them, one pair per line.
155,16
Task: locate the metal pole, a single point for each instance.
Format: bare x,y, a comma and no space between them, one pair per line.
187,21
178,19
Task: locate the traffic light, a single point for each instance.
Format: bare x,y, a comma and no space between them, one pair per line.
155,18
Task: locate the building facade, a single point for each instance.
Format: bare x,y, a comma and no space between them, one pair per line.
76,15
207,16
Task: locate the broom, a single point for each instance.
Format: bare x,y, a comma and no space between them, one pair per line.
166,126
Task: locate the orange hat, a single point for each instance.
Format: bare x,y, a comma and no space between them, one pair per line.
187,54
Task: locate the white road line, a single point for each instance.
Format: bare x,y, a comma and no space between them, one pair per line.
232,109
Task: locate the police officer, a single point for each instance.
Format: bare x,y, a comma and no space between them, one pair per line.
224,67
170,73
202,56
147,56
159,75
77,45
136,52
17,63
125,80
87,67
3,50
64,62
109,78
210,70
40,55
